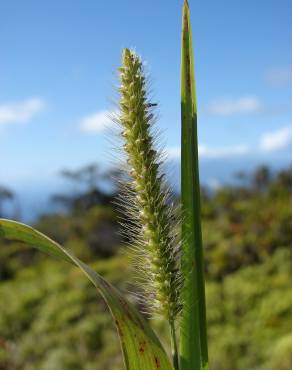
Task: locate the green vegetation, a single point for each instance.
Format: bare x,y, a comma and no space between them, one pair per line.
51,317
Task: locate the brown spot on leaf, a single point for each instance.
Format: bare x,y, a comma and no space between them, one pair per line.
157,362
142,346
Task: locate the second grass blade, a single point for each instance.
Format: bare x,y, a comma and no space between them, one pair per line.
193,342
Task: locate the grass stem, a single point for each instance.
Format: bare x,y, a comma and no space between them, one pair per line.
175,357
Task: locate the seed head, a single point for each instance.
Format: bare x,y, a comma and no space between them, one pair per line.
148,201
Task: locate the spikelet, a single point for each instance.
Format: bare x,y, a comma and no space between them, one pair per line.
153,225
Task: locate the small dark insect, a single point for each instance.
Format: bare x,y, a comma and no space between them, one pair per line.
149,105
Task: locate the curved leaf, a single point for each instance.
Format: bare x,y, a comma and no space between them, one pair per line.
141,348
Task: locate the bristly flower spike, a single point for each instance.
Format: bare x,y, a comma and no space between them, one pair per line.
148,204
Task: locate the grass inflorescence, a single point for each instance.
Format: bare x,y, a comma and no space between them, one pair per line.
152,216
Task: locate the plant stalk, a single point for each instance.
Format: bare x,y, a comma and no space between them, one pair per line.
175,357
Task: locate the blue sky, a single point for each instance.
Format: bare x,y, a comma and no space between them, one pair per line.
58,78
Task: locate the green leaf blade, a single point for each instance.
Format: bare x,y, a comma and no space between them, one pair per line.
193,342
141,348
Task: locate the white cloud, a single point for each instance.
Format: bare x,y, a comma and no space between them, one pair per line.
96,122
229,151
276,140
20,112
268,142
207,152
228,106
280,76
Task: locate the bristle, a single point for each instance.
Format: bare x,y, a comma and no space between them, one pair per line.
153,227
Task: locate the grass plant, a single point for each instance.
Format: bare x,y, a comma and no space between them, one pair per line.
170,267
